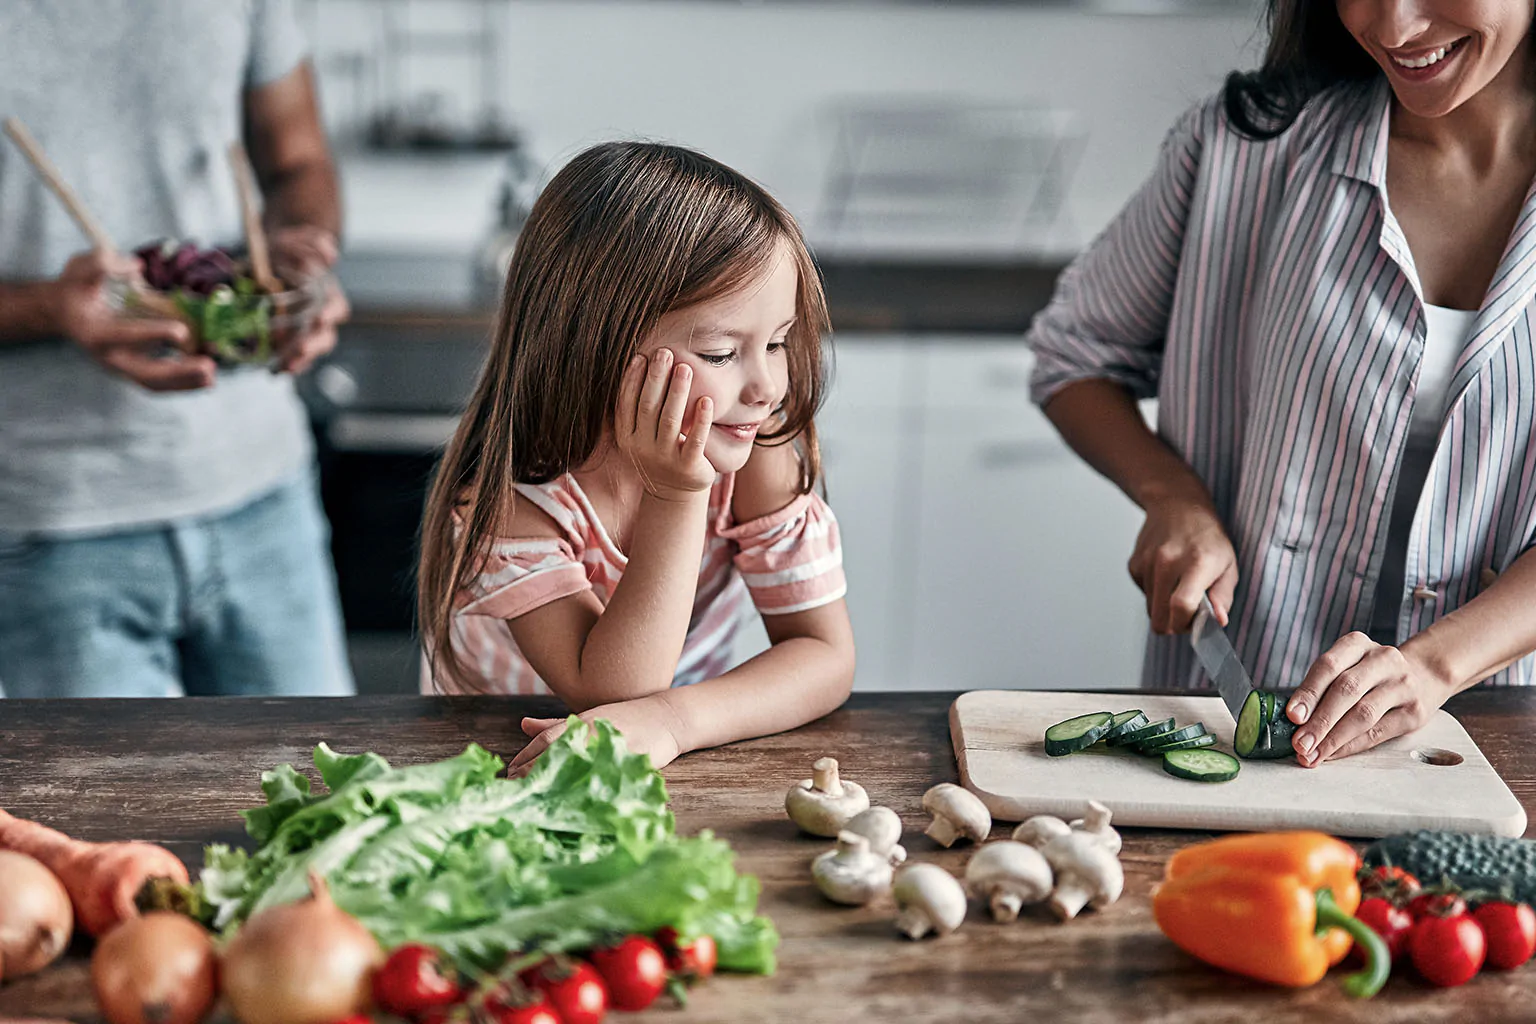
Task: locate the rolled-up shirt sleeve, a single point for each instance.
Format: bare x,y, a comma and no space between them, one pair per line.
1108,319
521,575
792,559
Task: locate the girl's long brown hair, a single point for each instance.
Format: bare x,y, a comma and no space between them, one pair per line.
625,233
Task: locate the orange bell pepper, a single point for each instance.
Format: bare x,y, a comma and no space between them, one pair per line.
1275,906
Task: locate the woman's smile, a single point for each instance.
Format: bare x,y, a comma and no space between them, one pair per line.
1421,64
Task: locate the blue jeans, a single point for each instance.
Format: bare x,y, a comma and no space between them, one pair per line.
241,602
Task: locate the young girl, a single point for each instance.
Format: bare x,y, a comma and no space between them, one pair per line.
638,461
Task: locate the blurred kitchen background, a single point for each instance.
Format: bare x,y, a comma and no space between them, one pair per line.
946,161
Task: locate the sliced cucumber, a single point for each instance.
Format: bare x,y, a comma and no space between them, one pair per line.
1194,743
1201,765
1157,743
1126,722
1263,731
1077,733
1145,733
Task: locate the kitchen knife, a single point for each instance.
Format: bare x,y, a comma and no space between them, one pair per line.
1221,662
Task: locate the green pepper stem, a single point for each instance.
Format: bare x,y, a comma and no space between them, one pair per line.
1378,961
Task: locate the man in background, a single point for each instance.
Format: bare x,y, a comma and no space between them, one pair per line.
160,531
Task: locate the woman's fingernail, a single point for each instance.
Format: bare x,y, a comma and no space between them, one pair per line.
1300,712
1304,742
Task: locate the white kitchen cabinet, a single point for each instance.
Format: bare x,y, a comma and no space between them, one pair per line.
980,551
1019,578
866,441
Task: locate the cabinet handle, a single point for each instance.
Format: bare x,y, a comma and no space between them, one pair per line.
1012,454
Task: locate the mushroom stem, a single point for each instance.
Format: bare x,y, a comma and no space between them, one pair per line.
1070,898
942,831
824,776
1005,906
1097,817
914,923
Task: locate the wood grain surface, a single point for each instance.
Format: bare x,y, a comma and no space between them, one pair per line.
178,772
1400,786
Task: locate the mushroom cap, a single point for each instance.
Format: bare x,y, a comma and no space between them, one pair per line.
961,808
880,825
934,893
851,873
1083,857
1040,829
1018,866
820,813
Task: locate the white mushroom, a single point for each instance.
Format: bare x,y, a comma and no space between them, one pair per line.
1096,823
930,900
1086,874
1008,875
882,827
851,873
957,814
1041,829
822,804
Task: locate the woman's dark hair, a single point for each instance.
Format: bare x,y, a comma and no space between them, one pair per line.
1309,50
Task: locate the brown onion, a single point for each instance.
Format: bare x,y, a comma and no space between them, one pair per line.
156,969
301,963
35,917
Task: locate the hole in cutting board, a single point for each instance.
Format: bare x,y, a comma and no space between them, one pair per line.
1437,756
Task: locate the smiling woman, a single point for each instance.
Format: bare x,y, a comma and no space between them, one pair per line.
1330,285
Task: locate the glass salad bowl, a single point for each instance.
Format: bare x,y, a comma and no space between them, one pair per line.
213,293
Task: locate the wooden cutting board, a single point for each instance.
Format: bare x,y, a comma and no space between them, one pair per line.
1435,778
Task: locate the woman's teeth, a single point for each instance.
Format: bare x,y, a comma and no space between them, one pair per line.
1425,61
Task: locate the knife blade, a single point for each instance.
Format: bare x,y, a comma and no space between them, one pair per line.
1219,658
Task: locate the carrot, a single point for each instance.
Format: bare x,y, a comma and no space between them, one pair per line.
101,878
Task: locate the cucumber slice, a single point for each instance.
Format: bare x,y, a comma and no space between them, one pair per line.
1126,722
1157,743
1205,739
1145,733
1201,765
1263,731
1077,733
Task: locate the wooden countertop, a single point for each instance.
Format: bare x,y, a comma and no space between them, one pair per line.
178,772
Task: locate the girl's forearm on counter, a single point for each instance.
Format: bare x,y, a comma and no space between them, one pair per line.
1101,422
1487,634
793,682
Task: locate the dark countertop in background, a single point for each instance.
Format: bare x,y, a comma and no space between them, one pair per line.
957,298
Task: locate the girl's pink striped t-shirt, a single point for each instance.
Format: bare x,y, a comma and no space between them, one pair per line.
788,561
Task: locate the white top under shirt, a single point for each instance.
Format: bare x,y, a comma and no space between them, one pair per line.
1445,331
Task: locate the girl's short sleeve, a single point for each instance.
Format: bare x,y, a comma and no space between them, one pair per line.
792,559
521,575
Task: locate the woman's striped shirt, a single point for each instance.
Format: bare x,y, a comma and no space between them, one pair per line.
788,561
1265,293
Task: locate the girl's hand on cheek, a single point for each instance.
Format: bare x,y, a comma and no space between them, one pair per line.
646,724
1359,694
653,402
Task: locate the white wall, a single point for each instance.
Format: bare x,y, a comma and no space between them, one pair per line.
747,83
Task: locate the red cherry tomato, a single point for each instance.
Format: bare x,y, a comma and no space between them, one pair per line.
518,1005
693,961
634,970
575,990
1510,929
1437,904
414,979
1392,923
1390,883
1447,951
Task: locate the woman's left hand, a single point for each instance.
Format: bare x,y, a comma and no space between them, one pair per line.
1359,694
647,724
